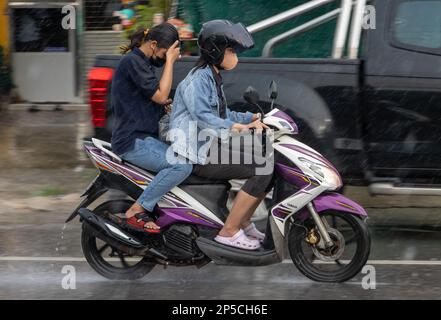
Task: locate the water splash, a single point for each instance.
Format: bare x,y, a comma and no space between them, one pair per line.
58,246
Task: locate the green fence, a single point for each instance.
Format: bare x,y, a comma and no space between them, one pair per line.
316,43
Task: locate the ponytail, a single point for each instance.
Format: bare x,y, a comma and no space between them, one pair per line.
165,34
136,40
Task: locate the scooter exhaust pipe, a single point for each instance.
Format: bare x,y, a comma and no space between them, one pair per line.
116,237
109,229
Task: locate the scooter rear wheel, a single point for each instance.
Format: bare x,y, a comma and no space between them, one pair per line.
107,260
338,264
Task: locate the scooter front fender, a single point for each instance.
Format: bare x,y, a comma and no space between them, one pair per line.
336,201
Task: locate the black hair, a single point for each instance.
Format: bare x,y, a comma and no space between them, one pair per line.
200,64
165,34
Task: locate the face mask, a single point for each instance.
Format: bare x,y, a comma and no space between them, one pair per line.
157,62
219,67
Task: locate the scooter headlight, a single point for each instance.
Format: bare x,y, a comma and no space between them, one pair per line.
323,173
332,178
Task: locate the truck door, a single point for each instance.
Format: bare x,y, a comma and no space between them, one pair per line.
402,96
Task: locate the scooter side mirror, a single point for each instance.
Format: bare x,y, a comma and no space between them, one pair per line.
272,92
251,95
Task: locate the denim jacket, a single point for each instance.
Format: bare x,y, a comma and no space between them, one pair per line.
196,115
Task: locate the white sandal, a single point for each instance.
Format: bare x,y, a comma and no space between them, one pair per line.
253,233
239,240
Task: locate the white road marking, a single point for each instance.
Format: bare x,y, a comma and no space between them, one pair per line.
387,262
80,259
59,259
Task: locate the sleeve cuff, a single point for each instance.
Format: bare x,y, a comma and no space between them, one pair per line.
225,134
248,117
228,123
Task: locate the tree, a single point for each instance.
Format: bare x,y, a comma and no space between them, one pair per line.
144,14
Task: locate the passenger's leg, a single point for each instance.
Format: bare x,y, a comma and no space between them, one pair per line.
150,154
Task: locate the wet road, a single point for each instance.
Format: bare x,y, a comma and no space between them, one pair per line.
43,171
36,247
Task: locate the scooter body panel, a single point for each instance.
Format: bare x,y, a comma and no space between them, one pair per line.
314,176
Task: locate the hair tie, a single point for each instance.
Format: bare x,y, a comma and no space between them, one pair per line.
146,31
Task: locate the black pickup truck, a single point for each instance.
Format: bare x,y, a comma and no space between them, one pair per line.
377,118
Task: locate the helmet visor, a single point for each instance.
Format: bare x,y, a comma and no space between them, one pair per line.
242,38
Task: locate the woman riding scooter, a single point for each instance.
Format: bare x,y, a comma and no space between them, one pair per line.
139,100
200,99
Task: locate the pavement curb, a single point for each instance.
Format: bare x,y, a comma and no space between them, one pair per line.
47,107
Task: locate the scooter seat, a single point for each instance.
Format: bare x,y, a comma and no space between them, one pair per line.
191,180
194,180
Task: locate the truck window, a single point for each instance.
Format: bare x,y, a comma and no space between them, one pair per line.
416,25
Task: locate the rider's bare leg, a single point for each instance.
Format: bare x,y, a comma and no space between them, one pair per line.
246,221
243,204
137,208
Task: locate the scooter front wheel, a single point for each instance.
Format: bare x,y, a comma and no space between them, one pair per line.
338,263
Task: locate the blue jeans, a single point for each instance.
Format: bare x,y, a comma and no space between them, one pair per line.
150,154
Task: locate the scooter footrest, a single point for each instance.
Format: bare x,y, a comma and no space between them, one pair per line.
226,255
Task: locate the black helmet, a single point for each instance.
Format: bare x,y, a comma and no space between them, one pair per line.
217,35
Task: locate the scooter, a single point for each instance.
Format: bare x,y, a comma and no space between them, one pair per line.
324,232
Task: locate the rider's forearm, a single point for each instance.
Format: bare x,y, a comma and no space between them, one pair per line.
165,83
240,117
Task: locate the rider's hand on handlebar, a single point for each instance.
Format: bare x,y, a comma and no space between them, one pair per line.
258,126
257,116
255,125
237,127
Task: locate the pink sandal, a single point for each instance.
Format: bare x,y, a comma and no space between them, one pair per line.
239,240
253,233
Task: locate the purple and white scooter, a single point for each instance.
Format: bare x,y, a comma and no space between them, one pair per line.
324,232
